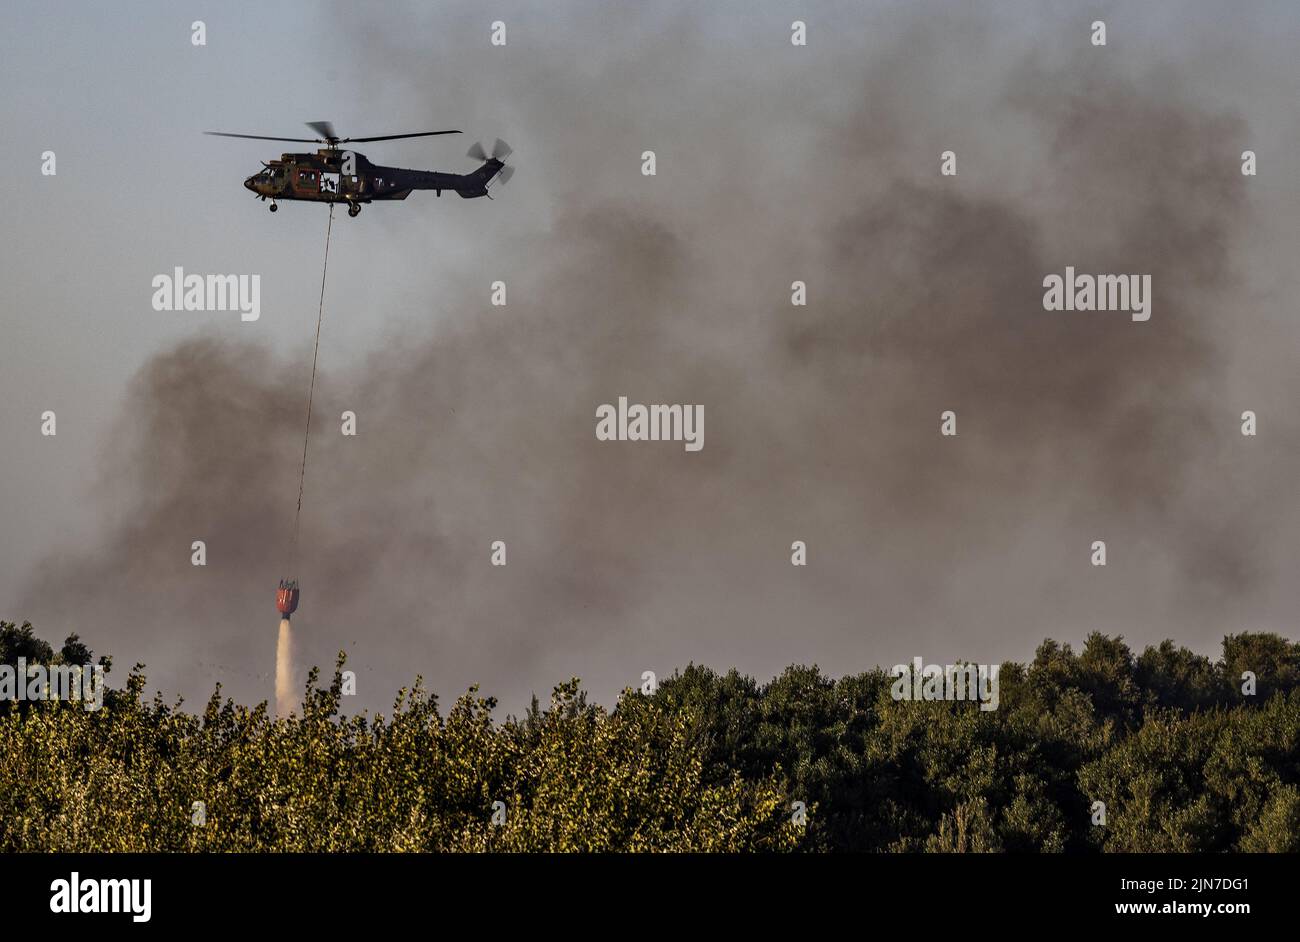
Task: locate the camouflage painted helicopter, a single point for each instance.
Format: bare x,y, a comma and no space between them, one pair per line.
336,175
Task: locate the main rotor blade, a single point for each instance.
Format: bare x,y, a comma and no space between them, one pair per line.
476,151
324,128
259,137
393,137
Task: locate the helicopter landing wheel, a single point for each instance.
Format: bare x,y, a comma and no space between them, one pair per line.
354,209
274,207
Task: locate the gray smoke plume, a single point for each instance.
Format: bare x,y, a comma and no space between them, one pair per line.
924,295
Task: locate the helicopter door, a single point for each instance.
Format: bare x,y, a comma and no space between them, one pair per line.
306,182
329,184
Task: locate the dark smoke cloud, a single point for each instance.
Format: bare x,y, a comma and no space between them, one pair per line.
822,422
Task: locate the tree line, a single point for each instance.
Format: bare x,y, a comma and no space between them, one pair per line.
1096,751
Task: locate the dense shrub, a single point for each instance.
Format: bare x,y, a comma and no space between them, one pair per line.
1181,758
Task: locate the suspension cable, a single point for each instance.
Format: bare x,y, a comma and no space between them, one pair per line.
311,391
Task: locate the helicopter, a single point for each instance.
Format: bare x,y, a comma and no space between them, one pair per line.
336,175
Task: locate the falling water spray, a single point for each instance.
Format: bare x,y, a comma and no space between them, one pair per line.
284,688
286,603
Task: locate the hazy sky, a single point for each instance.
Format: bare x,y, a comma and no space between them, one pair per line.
476,423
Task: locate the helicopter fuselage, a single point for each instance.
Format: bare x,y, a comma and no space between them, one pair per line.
332,175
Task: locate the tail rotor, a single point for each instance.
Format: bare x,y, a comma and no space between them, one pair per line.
500,151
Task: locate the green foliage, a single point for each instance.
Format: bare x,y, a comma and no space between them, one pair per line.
709,762
21,642
1181,759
